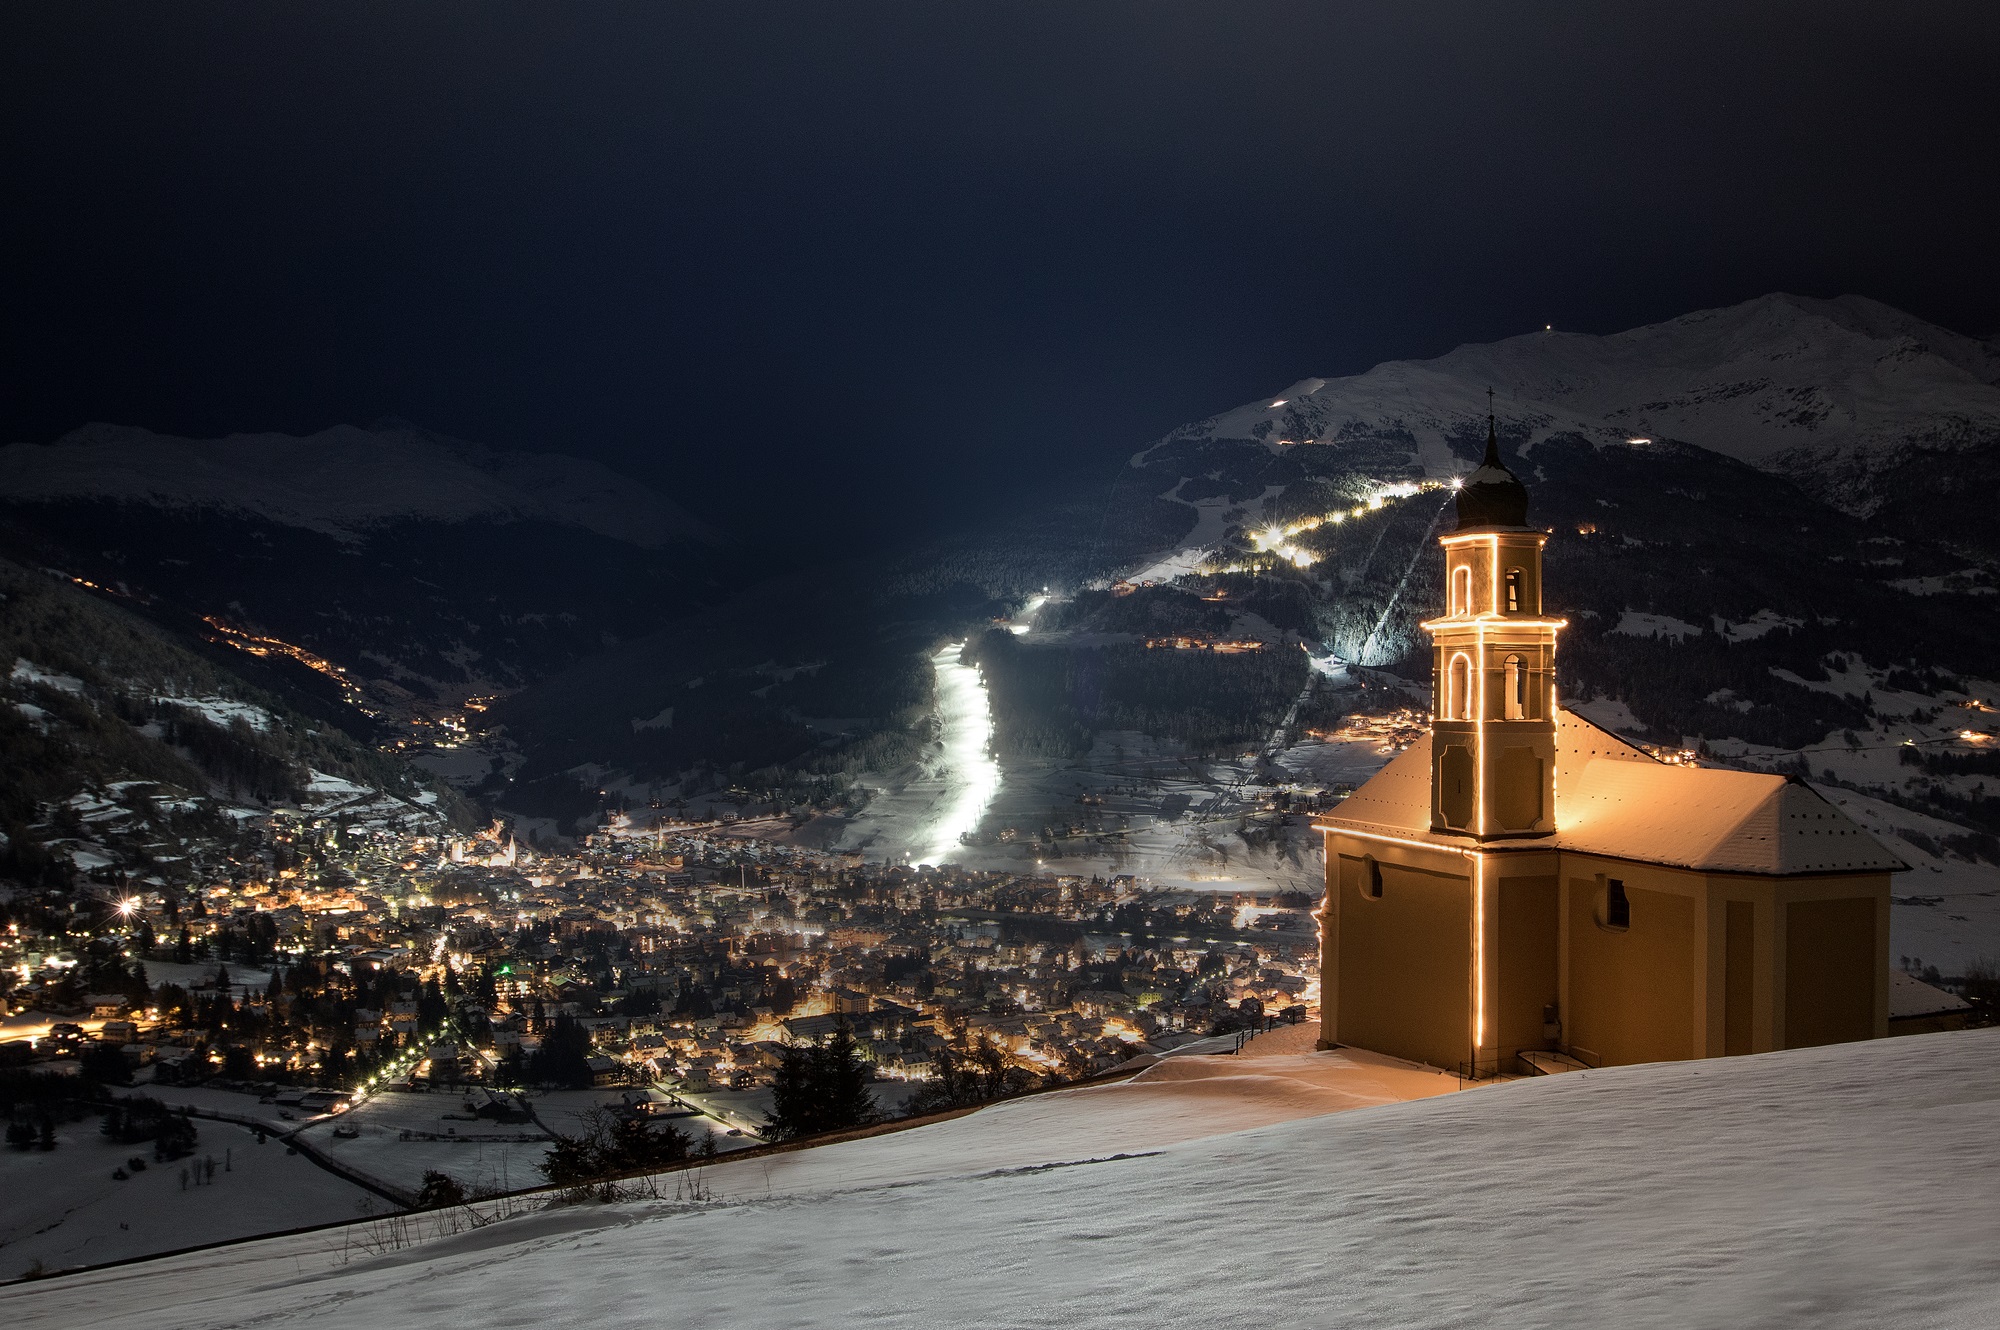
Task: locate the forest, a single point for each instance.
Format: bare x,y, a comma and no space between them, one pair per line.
1049,701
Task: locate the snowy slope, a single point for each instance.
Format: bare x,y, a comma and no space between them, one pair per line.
1825,390
342,481
1846,1186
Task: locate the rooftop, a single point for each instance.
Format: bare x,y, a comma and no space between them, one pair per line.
1616,800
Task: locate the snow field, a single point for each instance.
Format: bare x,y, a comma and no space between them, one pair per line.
1844,1186
64,1208
475,1153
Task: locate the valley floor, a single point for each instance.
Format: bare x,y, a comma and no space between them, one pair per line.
64,1208
1841,1186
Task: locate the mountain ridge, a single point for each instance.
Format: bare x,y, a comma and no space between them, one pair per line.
345,481
1833,394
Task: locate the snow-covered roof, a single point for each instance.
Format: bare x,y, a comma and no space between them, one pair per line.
1616,800
1910,997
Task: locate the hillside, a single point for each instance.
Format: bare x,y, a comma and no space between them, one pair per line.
1768,530
430,569
1839,1186
1768,524
1722,591
123,751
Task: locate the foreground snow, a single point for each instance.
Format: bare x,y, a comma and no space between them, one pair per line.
1840,1186
64,1208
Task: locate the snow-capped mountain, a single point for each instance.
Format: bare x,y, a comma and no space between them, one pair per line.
1830,393
343,481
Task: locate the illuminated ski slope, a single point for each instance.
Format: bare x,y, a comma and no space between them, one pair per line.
972,777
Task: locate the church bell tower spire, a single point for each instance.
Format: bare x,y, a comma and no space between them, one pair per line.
1493,726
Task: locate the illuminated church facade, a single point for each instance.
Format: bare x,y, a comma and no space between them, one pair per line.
1521,890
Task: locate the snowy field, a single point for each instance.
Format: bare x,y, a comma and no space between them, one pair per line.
64,1208
474,1152
235,1103
1845,1186
201,974
1946,910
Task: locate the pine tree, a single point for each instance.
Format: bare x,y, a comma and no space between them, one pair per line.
794,1106
845,1077
439,1190
822,1088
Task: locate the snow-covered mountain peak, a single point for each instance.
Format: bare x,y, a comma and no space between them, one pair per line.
343,480
1811,388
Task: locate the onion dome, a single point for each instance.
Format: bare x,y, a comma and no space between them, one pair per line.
1492,495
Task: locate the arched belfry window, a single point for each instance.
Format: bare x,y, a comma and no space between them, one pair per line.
1516,589
1517,689
1461,590
1458,688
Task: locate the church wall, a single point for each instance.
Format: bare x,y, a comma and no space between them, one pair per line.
1527,962
1742,964
1404,961
1831,955
1739,983
1633,995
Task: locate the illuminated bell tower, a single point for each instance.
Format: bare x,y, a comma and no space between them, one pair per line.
1493,727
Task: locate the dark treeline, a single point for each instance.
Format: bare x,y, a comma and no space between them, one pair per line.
1049,701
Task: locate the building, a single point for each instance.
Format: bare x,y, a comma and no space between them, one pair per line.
1520,890
1915,1007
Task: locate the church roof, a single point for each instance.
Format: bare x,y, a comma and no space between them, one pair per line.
1616,800
1492,496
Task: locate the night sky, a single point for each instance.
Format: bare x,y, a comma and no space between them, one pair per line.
827,267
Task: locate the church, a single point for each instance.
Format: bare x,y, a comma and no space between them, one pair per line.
1521,891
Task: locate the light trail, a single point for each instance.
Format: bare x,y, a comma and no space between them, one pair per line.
971,776
1423,543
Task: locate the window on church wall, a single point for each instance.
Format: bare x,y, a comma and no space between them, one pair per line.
1516,581
1516,687
1458,688
1614,907
1461,590
1371,878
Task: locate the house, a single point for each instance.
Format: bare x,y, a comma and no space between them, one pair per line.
1916,1007
498,1106
1521,890
646,1102
814,1028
